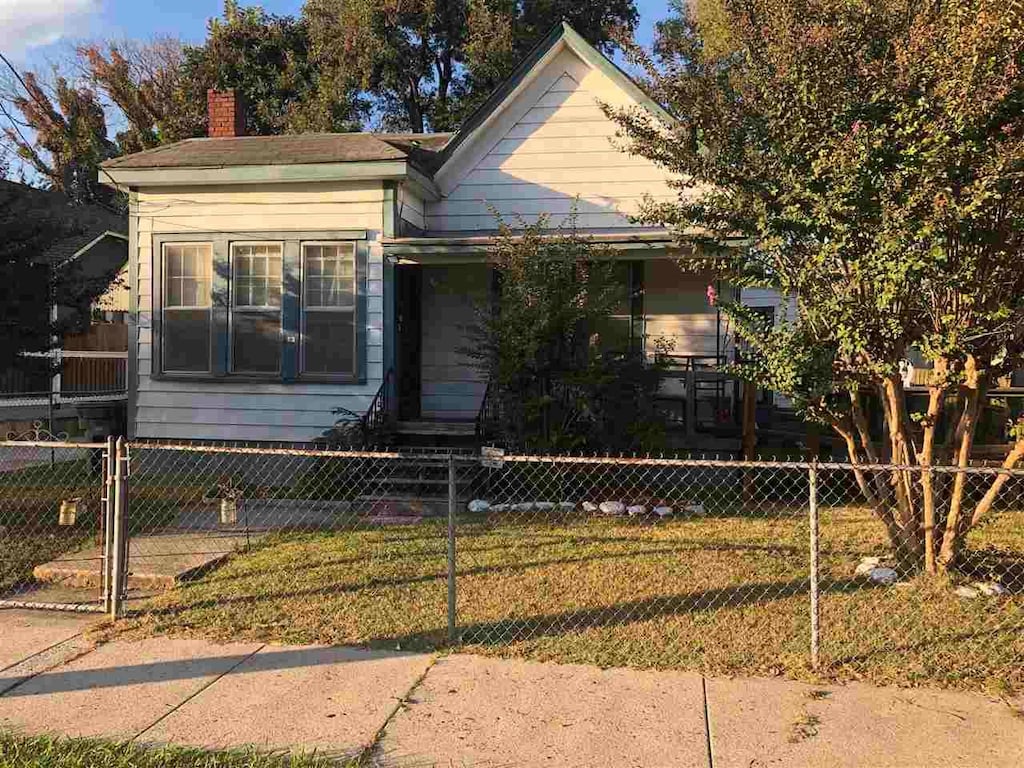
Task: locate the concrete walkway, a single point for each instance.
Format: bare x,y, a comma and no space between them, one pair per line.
460,710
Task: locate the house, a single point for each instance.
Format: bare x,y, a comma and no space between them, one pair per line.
277,279
90,383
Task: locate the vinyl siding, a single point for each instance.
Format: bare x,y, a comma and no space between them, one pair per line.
234,410
676,309
551,150
451,388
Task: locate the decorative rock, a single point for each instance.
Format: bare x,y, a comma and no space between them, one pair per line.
663,511
590,507
479,505
523,506
695,508
964,591
567,506
544,506
867,565
990,588
612,507
500,507
635,510
883,575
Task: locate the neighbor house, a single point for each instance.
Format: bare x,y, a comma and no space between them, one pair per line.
277,279
89,384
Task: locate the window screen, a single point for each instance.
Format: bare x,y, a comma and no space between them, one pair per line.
256,307
329,308
186,307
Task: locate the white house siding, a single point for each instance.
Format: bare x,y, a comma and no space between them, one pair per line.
451,388
550,145
226,410
676,309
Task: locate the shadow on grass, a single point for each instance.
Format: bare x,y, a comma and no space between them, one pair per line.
390,583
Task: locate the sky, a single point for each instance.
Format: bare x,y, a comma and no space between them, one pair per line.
34,32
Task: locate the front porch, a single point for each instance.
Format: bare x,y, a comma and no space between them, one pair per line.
437,396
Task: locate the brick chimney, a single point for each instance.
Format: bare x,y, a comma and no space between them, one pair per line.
226,111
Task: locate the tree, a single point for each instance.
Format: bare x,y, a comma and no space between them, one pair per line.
429,62
144,81
65,136
267,58
871,155
31,281
559,375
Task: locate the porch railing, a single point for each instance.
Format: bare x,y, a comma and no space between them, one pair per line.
379,415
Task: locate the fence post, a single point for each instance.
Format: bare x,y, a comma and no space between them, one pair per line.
109,470
812,476
120,538
451,549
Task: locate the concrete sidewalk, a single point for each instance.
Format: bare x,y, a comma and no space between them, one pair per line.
422,710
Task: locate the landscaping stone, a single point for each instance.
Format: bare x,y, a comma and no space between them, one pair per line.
566,506
883,575
663,511
965,591
523,506
478,506
500,507
544,506
590,507
695,508
612,507
990,588
636,510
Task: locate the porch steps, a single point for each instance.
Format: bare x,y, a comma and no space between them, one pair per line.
416,488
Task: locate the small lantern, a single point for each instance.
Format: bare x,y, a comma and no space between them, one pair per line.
69,509
229,511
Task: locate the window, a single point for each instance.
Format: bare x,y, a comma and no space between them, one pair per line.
328,308
267,306
187,316
256,279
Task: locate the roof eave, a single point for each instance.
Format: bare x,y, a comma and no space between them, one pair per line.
127,178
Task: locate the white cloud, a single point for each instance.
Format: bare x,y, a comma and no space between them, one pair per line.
26,24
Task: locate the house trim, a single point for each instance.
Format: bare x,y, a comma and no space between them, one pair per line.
262,174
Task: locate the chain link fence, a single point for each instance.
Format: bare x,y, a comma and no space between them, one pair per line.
724,566
53,506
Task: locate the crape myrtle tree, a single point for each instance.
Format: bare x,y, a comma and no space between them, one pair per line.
869,155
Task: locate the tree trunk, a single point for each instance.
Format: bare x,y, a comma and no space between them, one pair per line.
936,397
954,530
997,485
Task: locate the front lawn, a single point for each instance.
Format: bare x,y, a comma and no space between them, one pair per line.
724,594
48,752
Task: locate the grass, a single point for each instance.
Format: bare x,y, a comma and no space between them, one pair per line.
30,501
724,594
48,752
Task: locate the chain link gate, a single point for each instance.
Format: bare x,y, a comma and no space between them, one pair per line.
57,522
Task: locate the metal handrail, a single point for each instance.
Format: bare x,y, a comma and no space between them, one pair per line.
489,414
378,415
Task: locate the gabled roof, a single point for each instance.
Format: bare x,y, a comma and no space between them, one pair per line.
560,33
299,149
86,225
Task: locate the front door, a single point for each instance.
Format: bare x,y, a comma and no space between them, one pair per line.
409,338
